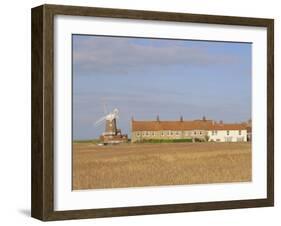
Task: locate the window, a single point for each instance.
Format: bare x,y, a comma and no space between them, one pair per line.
138,134
240,139
194,132
162,133
227,132
228,139
239,132
214,132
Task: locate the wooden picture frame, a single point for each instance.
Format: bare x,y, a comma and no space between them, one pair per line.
42,203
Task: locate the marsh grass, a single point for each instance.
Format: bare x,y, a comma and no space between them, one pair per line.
138,165
94,141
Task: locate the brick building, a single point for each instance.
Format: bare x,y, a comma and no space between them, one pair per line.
203,130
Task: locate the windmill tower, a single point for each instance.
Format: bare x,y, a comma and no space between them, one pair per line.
111,135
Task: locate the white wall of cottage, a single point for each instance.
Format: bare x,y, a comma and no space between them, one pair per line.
227,135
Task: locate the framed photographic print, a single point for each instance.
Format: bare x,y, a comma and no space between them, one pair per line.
142,112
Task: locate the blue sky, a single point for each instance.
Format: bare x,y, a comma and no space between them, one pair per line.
145,77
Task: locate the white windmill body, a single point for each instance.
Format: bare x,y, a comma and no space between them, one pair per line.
112,134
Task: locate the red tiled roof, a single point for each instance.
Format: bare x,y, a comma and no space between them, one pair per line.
183,125
233,126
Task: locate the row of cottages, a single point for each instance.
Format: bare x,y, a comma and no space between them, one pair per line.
204,130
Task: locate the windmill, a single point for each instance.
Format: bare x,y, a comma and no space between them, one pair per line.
112,134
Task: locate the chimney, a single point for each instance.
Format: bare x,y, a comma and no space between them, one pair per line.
204,118
250,121
157,118
181,119
221,122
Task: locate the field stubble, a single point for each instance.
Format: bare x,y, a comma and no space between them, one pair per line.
138,165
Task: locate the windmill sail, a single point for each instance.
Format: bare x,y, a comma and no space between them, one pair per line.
100,120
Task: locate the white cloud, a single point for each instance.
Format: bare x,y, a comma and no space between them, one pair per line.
113,54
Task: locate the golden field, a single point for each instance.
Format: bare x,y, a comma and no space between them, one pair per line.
137,165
